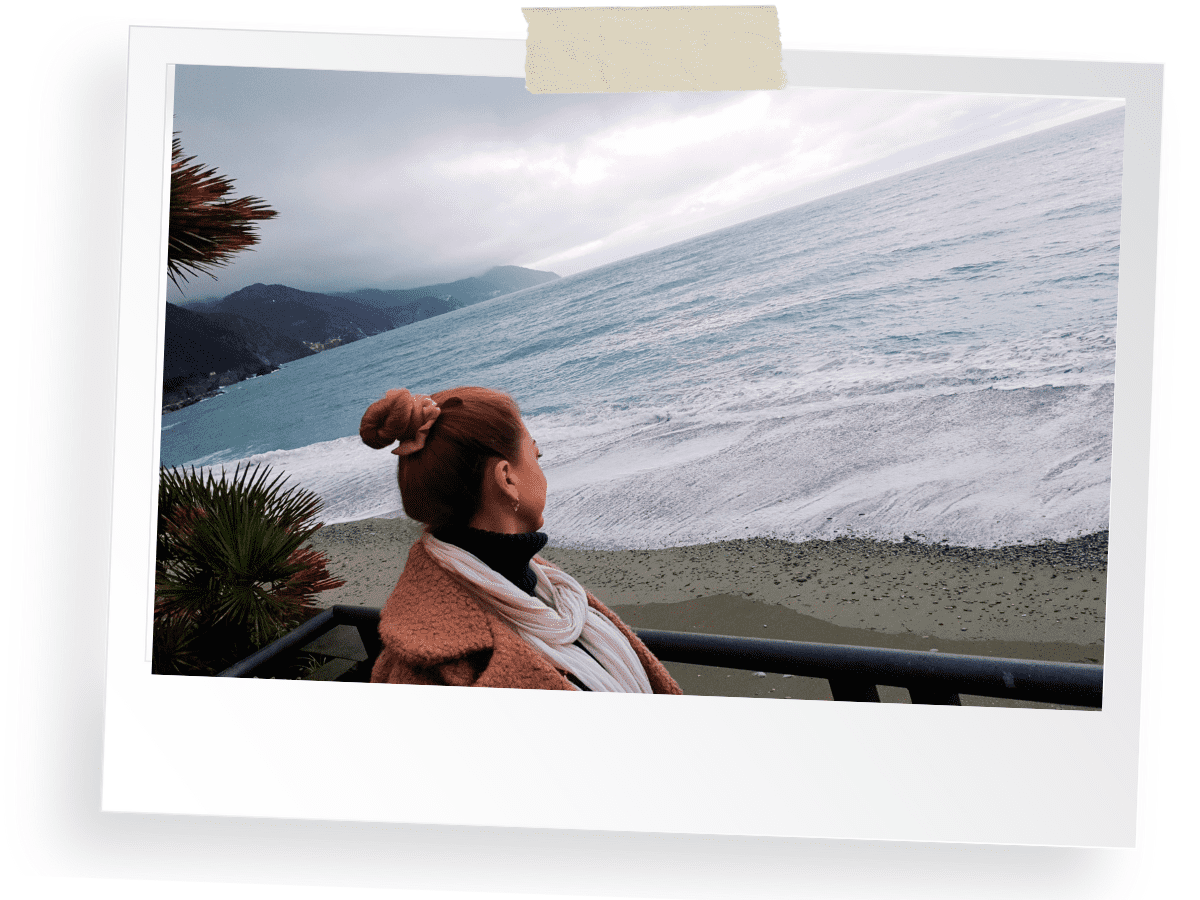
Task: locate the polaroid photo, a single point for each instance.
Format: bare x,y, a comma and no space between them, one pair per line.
835,364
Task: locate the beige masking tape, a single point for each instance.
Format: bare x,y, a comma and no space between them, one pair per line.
653,48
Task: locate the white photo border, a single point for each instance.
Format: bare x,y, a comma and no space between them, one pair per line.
696,765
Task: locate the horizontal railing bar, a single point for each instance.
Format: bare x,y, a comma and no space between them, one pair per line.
936,676
364,618
311,630
1075,684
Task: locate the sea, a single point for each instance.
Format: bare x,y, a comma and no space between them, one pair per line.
930,356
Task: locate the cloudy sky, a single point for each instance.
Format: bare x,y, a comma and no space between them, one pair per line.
388,181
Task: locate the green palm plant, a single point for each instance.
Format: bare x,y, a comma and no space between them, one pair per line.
232,572
207,226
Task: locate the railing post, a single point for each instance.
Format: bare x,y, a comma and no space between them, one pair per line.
933,696
369,635
859,691
366,622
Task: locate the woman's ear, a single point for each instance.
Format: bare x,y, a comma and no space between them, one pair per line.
502,475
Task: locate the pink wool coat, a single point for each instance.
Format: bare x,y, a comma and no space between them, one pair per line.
435,632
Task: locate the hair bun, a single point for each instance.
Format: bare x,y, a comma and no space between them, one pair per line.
398,416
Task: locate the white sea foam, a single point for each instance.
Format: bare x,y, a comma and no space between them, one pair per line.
982,469
978,469
354,481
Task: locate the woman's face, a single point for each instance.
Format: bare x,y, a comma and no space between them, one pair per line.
531,482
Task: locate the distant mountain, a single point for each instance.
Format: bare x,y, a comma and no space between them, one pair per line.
304,316
403,308
213,343
202,355
268,345
514,278
467,291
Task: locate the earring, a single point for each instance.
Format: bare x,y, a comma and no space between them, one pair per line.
516,506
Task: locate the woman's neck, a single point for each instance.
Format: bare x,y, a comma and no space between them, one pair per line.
500,519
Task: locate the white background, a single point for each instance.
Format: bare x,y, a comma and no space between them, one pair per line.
64,150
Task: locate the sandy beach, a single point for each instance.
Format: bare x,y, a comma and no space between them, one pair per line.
1044,601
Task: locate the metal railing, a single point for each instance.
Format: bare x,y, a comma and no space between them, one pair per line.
853,673
364,619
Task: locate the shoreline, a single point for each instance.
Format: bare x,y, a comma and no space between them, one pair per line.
1034,601
1051,592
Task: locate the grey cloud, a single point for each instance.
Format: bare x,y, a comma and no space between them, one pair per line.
400,180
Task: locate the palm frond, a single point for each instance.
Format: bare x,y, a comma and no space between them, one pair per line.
231,557
207,226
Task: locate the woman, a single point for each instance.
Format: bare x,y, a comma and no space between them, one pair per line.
475,606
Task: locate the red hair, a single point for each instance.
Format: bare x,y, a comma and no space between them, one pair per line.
441,483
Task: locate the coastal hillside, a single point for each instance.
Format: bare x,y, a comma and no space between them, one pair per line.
304,316
216,342
405,309
269,345
202,354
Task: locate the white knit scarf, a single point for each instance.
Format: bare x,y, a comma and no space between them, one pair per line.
552,620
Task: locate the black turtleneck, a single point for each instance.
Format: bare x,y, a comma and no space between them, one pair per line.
508,554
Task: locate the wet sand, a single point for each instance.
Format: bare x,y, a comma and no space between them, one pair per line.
1043,601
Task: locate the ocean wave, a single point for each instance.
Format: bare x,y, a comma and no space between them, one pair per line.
988,470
